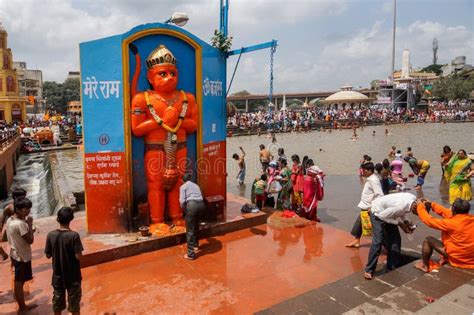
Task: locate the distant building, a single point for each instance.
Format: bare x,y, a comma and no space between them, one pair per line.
12,105
74,107
406,64
458,64
74,75
30,84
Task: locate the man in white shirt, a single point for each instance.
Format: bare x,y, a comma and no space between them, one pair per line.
191,201
386,215
372,190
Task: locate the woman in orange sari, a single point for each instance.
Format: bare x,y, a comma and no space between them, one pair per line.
445,158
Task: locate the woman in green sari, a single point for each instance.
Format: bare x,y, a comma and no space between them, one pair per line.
284,197
459,183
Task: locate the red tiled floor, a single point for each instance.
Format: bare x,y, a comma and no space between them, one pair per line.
236,273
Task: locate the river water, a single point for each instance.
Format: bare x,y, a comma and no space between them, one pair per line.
333,152
337,154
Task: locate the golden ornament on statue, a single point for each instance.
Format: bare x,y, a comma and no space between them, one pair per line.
160,56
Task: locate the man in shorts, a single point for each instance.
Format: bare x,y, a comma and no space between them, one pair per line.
20,235
65,247
241,162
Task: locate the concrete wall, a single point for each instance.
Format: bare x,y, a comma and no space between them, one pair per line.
8,158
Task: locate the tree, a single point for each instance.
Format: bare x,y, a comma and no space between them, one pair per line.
71,90
433,68
453,88
374,84
242,93
57,95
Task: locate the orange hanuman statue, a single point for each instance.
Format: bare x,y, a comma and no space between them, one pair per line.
163,116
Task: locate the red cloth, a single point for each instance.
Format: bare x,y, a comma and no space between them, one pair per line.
288,214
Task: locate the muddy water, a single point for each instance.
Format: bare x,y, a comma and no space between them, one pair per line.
337,154
334,152
35,173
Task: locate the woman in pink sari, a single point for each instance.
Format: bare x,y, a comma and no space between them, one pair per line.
313,192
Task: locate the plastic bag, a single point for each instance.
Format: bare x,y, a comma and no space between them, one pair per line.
366,224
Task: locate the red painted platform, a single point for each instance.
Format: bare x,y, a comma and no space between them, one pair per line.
237,273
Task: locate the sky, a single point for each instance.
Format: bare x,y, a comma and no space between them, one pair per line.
323,44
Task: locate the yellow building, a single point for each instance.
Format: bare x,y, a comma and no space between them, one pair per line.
12,106
74,107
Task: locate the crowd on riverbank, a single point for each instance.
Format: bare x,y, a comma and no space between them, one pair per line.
67,127
309,118
385,202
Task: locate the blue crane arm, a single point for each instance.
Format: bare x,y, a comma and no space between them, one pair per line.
242,50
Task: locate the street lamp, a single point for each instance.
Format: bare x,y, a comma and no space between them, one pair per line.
178,18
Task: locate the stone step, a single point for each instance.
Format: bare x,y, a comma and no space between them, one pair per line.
402,291
458,301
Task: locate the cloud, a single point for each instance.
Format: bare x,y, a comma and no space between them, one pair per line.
362,57
317,50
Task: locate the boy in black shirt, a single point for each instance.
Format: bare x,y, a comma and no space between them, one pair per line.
65,247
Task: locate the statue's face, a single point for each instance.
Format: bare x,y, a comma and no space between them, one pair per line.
163,78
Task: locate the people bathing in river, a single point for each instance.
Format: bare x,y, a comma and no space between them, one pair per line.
281,154
457,234
371,191
313,192
458,175
397,172
241,163
391,153
387,213
259,189
284,197
445,158
273,185
265,157
409,152
297,179
420,168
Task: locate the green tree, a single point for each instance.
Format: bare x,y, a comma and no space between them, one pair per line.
71,90
241,93
374,84
57,95
433,68
453,87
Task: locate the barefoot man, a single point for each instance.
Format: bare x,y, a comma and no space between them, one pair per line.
386,215
457,234
265,157
241,162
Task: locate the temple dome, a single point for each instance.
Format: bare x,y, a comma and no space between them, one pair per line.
346,95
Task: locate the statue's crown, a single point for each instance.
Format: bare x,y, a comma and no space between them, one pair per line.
160,56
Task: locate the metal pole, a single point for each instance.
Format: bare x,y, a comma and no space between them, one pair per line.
393,50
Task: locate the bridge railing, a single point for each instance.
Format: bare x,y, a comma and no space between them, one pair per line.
7,137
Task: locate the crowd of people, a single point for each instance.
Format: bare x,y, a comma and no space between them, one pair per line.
69,127
385,202
384,207
309,118
296,188
63,246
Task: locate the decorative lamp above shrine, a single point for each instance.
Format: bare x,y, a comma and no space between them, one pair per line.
178,18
